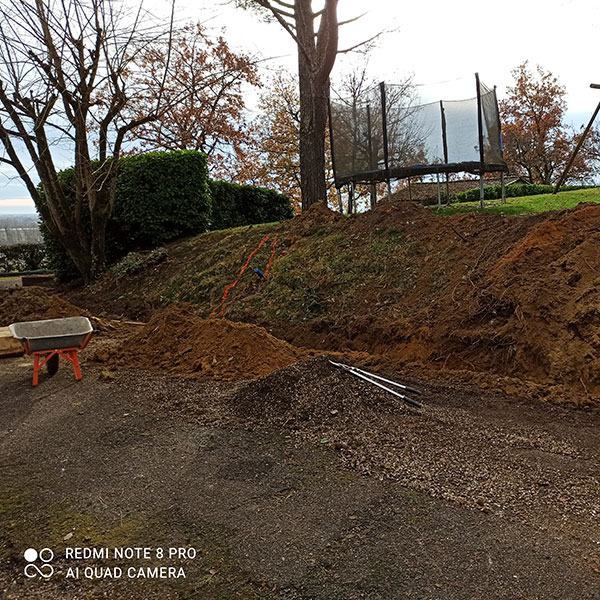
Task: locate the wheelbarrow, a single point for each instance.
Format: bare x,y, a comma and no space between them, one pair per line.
48,340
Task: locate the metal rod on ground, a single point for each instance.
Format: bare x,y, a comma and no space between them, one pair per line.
387,389
400,385
595,86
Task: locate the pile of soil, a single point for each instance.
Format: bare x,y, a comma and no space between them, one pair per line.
317,216
35,304
516,297
534,310
511,457
176,340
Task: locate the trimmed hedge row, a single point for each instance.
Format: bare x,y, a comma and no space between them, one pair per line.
516,190
164,196
235,205
22,257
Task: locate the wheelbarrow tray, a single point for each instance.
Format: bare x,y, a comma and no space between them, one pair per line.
52,334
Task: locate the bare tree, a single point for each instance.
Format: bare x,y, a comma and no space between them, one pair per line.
316,35
63,89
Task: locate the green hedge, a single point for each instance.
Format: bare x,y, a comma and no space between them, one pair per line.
494,192
22,257
235,205
164,196
161,196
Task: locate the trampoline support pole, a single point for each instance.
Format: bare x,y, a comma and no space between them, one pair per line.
439,193
502,184
481,192
339,199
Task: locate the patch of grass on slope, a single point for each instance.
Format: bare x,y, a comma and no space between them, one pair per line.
527,204
305,281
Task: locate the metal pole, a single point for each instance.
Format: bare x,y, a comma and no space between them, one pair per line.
595,86
372,161
444,134
447,190
409,190
439,193
481,191
503,187
385,137
332,152
481,153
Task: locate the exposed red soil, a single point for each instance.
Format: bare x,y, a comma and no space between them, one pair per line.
175,340
34,304
518,297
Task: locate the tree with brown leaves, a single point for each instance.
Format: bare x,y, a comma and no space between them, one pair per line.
205,96
315,33
537,144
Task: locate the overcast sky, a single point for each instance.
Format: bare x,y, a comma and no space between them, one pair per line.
438,42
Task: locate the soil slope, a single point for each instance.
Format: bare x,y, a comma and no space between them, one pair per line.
515,296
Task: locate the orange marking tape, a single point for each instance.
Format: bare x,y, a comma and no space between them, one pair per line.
272,255
232,285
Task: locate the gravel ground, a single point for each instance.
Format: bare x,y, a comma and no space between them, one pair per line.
306,484
527,461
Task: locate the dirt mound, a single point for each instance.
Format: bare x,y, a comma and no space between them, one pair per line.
308,221
534,311
311,394
34,304
175,340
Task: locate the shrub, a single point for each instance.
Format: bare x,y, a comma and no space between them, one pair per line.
164,196
161,196
494,192
22,257
235,205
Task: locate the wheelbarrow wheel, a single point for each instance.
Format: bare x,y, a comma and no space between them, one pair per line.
52,365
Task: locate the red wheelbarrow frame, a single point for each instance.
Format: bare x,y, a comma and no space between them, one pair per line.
69,354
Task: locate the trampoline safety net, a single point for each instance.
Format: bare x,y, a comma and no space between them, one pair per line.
379,135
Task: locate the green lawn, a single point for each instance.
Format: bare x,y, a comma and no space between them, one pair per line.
527,204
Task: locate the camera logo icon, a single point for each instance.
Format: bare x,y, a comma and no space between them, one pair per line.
38,563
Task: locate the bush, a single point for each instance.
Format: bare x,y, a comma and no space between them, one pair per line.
494,192
164,196
235,205
22,257
161,196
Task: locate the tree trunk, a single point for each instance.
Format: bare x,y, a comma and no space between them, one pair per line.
313,121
